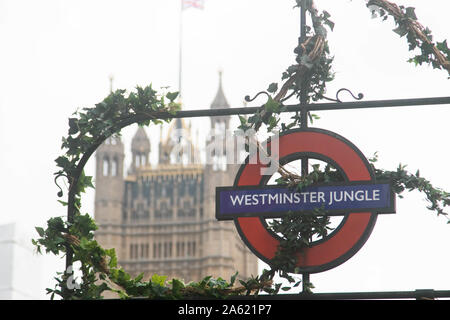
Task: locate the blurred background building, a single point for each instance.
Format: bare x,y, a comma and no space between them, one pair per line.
20,267
161,219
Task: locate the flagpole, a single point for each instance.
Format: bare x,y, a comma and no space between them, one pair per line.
180,57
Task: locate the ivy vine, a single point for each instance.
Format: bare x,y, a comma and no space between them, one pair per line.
436,54
309,78
73,235
297,231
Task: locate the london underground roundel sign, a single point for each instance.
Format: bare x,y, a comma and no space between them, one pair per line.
366,198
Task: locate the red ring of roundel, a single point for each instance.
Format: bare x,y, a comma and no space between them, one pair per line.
353,232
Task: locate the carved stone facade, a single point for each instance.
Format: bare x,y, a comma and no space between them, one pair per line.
162,219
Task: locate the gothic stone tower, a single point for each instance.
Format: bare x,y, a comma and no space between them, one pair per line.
220,171
162,219
109,192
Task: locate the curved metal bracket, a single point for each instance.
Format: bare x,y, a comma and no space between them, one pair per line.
248,99
359,97
60,192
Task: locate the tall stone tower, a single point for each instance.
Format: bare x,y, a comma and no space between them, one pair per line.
221,171
161,219
109,192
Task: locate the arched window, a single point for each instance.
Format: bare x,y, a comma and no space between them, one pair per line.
105,167
143,160
137,161
114,168
221,126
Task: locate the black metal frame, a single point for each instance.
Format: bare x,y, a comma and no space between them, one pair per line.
306,107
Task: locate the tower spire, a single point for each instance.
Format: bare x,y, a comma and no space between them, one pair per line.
111,80
220,101
140,149
180,53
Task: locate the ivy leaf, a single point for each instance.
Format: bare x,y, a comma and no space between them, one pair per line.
273,87
233,279
410,13
172,96
242,119
62,202
113,258
177,285
40,231
62,162
330,24
160,280
401,30
443,46
56,224
141,276
73,126
272,105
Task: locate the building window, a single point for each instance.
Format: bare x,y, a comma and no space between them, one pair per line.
167,249
137,161
191,248
189,252
105,167
134,251
144,250
180,249
114,168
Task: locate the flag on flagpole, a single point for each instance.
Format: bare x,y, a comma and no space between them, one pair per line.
197,4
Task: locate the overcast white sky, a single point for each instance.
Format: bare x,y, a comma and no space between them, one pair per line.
56,56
